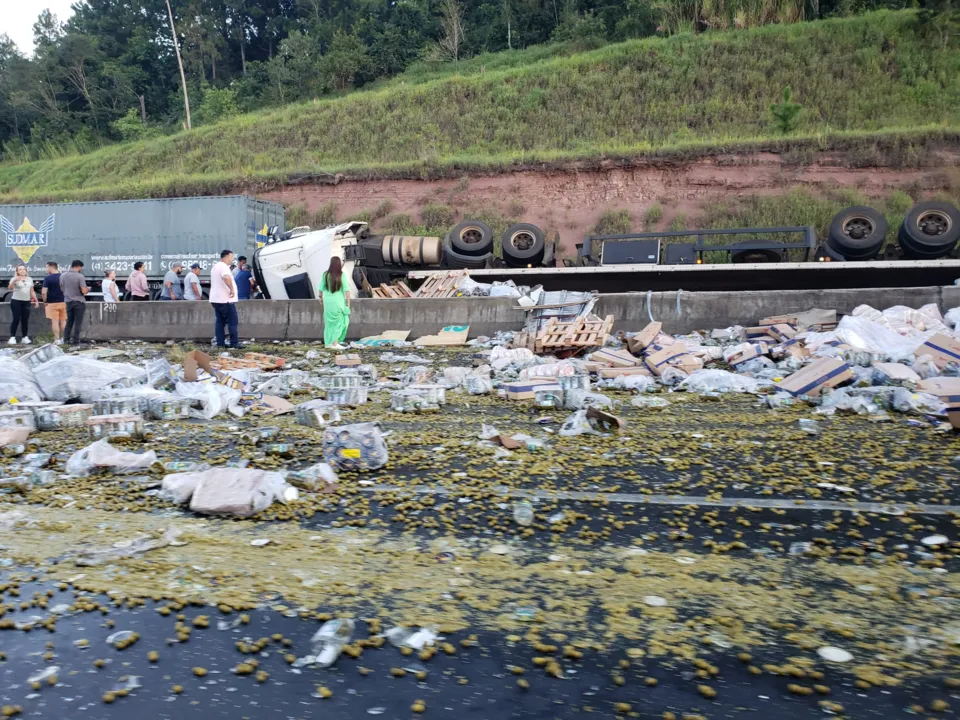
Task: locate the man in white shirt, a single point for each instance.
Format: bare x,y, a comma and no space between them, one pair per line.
223,298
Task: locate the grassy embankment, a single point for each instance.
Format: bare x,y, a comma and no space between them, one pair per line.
868,85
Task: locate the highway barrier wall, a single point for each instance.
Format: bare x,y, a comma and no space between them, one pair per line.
264,320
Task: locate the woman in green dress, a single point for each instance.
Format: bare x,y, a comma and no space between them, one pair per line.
336,305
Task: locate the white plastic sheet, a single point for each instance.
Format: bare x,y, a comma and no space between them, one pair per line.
71,376
873,337
238,491
17,381
210,399
102,454
701,381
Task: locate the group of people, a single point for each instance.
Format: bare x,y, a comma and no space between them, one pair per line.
64,298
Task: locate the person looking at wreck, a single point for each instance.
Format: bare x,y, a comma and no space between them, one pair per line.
336,305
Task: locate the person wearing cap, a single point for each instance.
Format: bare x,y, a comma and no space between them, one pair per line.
191,284
171,283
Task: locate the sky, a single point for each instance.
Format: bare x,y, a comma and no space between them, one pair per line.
18,16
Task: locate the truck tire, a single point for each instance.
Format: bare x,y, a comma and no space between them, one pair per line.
472,237
930,230
457,261
522,245
857,232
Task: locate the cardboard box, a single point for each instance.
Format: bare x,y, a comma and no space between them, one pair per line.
782,332
385,339
754,351
779,319
594,367
612,372
794,349
347,360
639,342
614,358
827,372
896,373
755,333
948,390
450,335
527,389
675,356
943,348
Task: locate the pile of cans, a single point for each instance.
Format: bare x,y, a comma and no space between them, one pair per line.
120,425
317,415
349,396
62,416
117,405
168,408
410,400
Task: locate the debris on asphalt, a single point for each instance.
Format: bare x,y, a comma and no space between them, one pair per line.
654,503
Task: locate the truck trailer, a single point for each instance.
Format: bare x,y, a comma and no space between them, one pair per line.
114,235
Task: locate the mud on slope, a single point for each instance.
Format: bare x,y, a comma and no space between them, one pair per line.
571,201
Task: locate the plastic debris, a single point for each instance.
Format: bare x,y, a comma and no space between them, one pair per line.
327,643
407,637
102,454
834,654
523,513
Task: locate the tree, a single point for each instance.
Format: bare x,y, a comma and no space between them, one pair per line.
451,22
786,113
939,19
216,104
183,78
344,60
295,69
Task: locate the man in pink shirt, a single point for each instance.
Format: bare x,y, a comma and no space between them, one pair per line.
137,283
223,298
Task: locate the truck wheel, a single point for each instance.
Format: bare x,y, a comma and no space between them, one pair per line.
857,232
522,245
472,237
457,261
930,230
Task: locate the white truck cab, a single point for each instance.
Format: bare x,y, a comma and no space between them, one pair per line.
290,267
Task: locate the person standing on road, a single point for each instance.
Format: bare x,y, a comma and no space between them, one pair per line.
171,283
336,305
241,265
111,293
191,284
53,304
20,301
137,283
74,287
244,280
223,298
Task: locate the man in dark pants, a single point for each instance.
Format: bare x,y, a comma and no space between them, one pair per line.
223,298
74,287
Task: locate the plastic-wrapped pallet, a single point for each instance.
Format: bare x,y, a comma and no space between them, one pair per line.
69,376
44,353
18,381
349,396
411,400
238,491
478,385
317,413
355,447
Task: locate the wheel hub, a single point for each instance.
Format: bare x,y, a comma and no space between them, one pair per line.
522,240
471,235
934,223
857,228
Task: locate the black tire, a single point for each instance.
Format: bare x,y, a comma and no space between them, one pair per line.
929,230
457,261
523,245
857,232
472,237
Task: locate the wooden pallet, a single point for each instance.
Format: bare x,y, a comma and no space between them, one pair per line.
250,361
441,285
392,292
576,335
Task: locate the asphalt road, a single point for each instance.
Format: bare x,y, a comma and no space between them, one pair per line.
756,537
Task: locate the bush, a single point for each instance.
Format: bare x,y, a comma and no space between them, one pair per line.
324,215
437,217
216,104
652,216
613,222
398,224
382,210
297,215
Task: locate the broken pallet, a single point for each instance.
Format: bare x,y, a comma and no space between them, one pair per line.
392,292
441,285
578,334
250,361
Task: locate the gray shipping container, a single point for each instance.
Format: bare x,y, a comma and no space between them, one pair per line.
116,234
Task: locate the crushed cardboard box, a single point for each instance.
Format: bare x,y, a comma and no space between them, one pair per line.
948,390
527,389
351,360
613,372
754,351
826,372
896,373
779,319
385,339
614,358
639,342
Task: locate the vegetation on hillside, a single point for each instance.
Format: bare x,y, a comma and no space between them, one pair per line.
864,77
110,72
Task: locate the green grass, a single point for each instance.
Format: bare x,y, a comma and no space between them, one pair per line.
867,84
